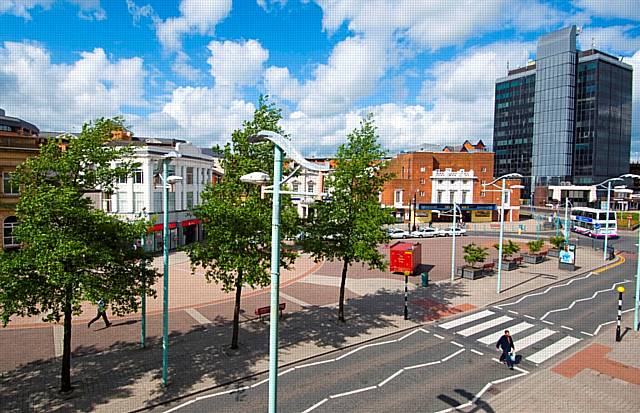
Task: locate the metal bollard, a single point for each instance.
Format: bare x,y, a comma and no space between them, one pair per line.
620,291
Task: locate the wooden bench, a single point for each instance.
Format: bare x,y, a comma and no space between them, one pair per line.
518,260
543,254
487,269
261,311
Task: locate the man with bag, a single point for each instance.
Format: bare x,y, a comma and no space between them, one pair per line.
506,344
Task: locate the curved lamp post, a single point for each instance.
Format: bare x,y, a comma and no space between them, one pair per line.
636,298
282,145
456,207
166,181
606,223
503,190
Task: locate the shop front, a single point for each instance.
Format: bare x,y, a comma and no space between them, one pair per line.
154,241
190,231
443,212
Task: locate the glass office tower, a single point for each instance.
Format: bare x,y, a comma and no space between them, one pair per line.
564,118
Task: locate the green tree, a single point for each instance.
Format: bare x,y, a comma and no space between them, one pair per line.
474,254
237,221
71,252
349,225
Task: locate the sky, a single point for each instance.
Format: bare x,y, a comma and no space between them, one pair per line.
194,69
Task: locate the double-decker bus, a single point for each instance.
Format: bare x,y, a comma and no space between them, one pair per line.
594,223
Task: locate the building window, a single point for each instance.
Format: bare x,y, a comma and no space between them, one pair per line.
189,175
465,195
422,181
397,199
107,202
423,169
8,186
464,182
157,202
295,186
189,200
138,201
138,177
482,194
452,196
439,197
310,187
483,169
10,223
421,193
122,202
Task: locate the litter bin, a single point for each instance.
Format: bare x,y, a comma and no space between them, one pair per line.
425,279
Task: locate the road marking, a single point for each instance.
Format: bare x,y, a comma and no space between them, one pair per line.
567,328
494,337
449,357
456,344
547,290
512,312
584,299
196,315
547,322
609,322
58,340
477,352
417,366
620,261
532,339
587,334
388,379
295,300
498,307
529,317
464,320
550,351
320,403
335,396
438,336
286,371
484,326
315,364
259,383
410,334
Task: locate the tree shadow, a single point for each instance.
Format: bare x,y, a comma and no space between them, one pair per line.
127,377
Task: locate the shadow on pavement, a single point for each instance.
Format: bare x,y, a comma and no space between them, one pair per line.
128,377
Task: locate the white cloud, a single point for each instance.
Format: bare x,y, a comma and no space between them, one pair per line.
196,16
89,9
64,96
182,68
237,64
352,72
267,4
614,39
623,9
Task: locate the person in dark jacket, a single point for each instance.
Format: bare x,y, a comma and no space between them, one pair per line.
102,312
506,345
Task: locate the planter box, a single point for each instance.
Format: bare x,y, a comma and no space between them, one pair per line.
509,265
533,258
472,273
554,253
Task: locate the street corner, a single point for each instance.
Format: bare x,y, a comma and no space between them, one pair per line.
596,358
432,310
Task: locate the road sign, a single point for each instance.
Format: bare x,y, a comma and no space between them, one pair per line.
596,226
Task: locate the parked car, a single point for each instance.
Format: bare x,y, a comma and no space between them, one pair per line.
426,233
448,232
397,233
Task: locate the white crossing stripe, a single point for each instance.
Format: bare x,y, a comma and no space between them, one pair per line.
58,340
493,338
550,351
532,339
463,320
197,315
484,326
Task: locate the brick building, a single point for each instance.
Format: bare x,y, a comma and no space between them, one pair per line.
430,182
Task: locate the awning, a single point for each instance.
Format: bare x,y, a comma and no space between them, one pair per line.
159,227
190,222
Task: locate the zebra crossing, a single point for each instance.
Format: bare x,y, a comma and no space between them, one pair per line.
535,343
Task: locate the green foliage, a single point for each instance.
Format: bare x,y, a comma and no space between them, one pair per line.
557,241
349,225
508,249
237,221
71,252
535,246
474,254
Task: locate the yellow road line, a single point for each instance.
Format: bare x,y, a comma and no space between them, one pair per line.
610,266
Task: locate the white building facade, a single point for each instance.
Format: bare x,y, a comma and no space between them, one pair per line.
309,182
449,186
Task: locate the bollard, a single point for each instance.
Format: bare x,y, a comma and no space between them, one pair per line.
406,285
425,279
620,291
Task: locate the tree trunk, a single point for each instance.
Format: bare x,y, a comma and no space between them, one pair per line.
65,376
345,266
236,312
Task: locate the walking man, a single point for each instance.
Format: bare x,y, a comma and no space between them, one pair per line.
102,312
506,344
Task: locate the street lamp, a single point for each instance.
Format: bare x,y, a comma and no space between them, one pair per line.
282,145
636,299
502,202
566,218
456,207
606,222
166,181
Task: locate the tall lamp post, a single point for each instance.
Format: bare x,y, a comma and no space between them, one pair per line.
456,207
636,298
282,145
566,218
502,191
166,181
606,222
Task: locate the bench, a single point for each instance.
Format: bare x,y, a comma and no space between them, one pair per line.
487,269
518,260
261,311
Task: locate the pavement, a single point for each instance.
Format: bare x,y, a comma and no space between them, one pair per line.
111,373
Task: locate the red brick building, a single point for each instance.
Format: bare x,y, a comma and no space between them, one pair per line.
430,182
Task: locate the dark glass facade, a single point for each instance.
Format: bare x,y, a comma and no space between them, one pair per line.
565,118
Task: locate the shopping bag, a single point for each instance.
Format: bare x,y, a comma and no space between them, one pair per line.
512,357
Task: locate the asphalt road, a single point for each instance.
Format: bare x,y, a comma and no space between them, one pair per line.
443,365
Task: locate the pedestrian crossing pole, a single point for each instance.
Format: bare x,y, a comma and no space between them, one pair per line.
406,289
620,291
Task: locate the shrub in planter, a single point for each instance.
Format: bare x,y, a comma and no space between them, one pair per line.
508,249
534,248
473,254
557,243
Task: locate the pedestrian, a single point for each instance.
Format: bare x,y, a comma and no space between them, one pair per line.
102,312
506,344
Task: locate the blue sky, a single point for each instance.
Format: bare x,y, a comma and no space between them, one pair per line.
193,69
